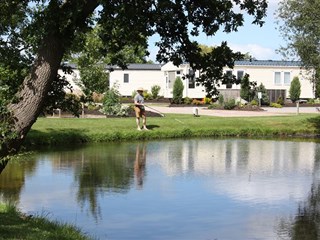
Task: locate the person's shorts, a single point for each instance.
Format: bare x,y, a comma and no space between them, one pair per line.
140,112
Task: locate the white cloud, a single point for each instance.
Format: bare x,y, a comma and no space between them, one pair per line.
255,50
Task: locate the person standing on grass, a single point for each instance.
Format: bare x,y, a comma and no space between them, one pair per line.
140,110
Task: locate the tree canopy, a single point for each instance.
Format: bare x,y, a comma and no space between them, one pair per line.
301,30
35,36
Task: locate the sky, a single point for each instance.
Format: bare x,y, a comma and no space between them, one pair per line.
260,42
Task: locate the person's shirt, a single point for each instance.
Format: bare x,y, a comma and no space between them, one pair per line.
138,99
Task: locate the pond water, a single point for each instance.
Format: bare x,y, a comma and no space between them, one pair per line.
183,189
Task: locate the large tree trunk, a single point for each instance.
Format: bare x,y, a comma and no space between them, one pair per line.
34,89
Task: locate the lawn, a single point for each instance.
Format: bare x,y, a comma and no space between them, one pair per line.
56,131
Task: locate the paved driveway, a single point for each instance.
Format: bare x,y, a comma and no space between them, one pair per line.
268,111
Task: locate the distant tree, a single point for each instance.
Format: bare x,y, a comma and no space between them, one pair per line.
205,49
295,89
300,28
178,91
248,89
264,95
91,60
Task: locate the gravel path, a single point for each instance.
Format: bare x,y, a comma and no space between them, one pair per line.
267,111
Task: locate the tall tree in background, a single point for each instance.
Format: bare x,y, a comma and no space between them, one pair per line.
40,33
295,89
301,30
248,89
91,61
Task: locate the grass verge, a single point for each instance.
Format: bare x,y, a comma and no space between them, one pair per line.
58,131
15,225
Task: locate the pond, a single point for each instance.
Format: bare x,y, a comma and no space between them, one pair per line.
181,189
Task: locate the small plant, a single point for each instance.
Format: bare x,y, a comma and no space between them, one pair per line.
221,99
230,104
155,89
214,106
280,100
196,102
275,105
254,102
187,100
207,100
147,95
111,103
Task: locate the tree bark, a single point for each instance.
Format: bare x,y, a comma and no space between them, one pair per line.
34,89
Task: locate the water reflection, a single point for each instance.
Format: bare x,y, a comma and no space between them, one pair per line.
192,189
140,164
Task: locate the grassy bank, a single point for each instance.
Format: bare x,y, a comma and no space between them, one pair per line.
55,131
15,225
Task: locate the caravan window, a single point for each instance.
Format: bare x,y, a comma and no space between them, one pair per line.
126,78
287,78
277,78
229,75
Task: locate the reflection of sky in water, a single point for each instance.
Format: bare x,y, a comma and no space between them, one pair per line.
196,189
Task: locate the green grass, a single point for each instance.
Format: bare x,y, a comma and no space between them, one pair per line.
15,225
57,131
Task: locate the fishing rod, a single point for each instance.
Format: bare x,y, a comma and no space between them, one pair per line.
162,114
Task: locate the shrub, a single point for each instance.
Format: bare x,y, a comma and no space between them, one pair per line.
280,101
147,95
265,98
155,89
214,106
207,100
177,91
196,102
187,100
221,99
230,104
111,103
254,102
275,105
248,88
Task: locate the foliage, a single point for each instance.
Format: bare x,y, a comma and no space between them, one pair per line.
264,95
214,106
230,104
300,28
147,95
207,100
177,91
275,105
280,100
187,100
58,98
111,103
254,102
196,102
295,89
248,89
155,89
221,99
